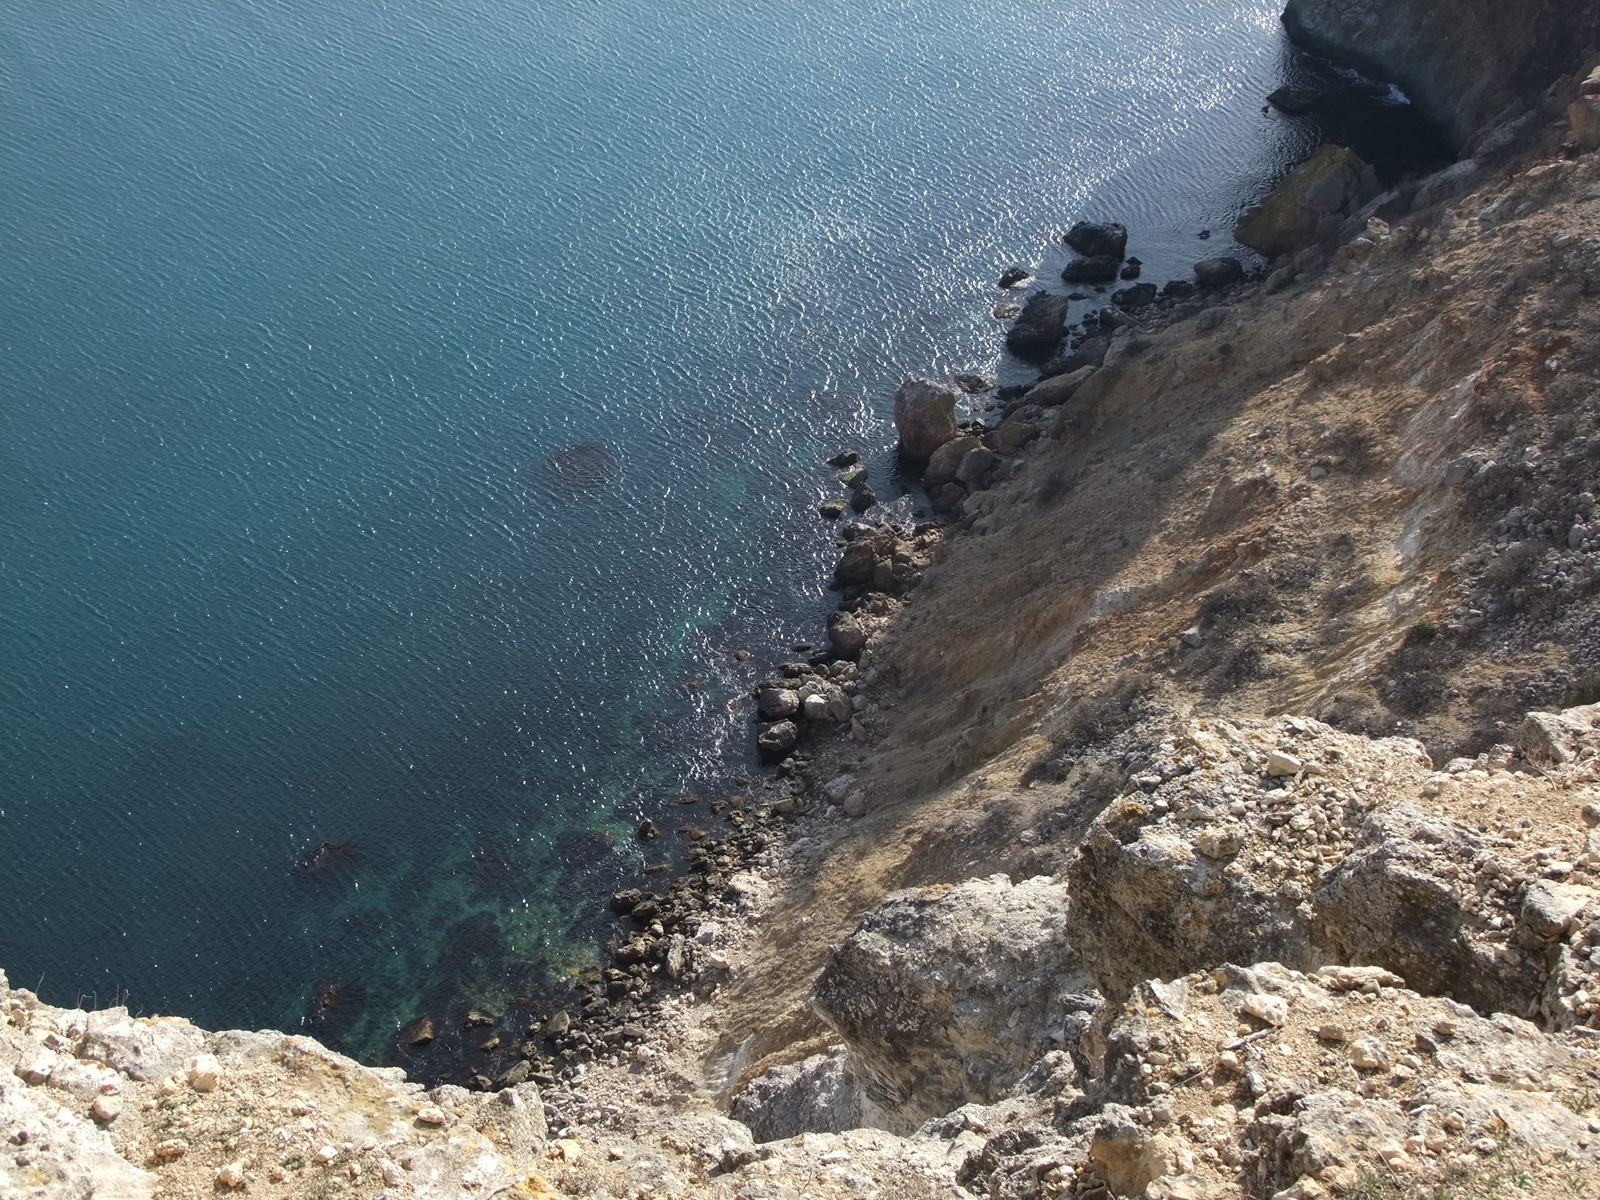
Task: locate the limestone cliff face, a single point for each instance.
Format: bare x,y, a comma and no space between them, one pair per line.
1461,61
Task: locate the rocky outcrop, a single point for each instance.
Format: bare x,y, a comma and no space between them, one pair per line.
111,1105
1308,207
1037,330
924,416
1463,63
947,996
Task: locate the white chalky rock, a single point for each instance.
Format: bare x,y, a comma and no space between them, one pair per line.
204,1072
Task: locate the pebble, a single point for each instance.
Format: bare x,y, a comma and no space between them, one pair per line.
326,1155
1280,764
431,1114
1274,1010
106,1109
171,1148
231,1175
1368,1054
204,1072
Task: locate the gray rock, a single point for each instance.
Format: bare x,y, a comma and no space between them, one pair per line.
1039,326
815,1095
777,739
1218,272
1094,239
148,1049
1549,909
1058,389
1310,204
1011,276
975,464
1137,296
1093,268
775,703
947,996
1561,737
942,467
846,636
1395,901
924,416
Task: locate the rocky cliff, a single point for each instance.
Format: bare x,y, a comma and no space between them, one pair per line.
1209,811
1463,62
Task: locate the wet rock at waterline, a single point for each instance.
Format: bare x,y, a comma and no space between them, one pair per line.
1093,268
1011,276
1218,272
1310,204
1094,239
579,468
1038,327
924,416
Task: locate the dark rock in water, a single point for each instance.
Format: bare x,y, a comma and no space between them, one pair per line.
1131,271
520,1072
558,1024
647,831
1295,100
863,498
853,476
1011,276
1005,310
624,902
1038,328
924,416
421,1033
831,509
1179,288
1135,262
326,856
1310,204
477,1019
973,385
580,467
778,739
1095,268
845,458
1204,235
1137,296
1093,239
1218,272
1012,391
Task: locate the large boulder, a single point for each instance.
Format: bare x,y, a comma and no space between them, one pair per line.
1091,238
1310,204
815,1095
942,467
948,995
1397,901
924,416
1038,328
1092,268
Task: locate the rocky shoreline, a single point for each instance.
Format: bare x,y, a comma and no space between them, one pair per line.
1206,805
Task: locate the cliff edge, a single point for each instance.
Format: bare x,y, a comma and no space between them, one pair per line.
1464,63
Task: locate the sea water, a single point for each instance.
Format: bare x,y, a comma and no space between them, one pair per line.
301,304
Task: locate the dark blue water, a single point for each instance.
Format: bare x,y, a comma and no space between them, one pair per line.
296,302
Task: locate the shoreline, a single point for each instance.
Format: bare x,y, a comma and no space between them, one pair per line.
1206,725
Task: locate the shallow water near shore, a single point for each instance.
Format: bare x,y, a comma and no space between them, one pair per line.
409,407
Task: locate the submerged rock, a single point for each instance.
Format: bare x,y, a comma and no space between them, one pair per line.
1093,268
1093,239
579,468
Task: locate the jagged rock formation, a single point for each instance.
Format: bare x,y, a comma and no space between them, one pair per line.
1464,63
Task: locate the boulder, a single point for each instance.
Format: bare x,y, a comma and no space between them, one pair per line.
1137,296
1555,738
1395,901
1039,326
1092,268
948,995
846,636
774,702
1218,272
947,500
1012,436
777,739
862,498
1310,204
972,384
1295,100
1011,276
816,1095
942,467
924,416
1093,239
831,510
976,464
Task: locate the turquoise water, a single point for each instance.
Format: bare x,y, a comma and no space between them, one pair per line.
298,300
